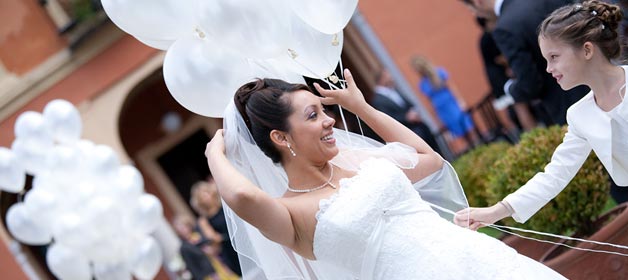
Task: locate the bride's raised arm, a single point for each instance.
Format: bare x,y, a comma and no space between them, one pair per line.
385,126
253,205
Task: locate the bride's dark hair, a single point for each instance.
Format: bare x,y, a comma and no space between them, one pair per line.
263,106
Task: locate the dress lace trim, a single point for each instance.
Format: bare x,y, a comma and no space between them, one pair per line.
325,203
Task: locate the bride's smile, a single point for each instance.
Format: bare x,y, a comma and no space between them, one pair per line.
310,128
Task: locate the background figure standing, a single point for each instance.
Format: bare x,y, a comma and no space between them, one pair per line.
212,223
515,35
497,72
449,107
388,100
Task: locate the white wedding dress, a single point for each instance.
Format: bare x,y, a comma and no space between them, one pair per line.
378,227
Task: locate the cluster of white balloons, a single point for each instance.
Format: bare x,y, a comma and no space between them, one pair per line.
92,208
215,46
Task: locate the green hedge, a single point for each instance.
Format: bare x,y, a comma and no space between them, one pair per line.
574,208
473,169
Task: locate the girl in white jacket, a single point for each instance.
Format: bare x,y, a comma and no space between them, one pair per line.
579,42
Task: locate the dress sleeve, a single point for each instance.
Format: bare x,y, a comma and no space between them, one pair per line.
402,155
544,186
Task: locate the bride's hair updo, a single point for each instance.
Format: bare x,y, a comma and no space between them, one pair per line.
264,106
592,21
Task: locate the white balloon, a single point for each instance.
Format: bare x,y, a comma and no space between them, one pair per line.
30,125
148,213
64,163
44,180
147,260
85,149
153,19
203,77
105,215
102,162
156,44
31,155
23,228
84,192
129,184
115,271
12,173
42,206
272,68
327,16
64,121
85,146
99,251
72,230
66,263
312,53
255,29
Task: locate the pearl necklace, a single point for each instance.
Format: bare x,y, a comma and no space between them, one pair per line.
328,182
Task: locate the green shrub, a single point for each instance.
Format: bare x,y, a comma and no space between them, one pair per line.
473,169
574,208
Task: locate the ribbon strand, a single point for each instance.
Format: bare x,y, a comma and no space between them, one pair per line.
510,230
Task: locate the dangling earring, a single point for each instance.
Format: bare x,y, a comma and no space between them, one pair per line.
291,150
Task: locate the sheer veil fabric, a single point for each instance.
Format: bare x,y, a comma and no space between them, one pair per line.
261,258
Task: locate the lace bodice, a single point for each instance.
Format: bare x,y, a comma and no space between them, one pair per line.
378,227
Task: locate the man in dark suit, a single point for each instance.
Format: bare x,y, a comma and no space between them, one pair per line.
516,36
388,100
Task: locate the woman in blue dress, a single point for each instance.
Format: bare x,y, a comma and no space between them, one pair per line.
448,107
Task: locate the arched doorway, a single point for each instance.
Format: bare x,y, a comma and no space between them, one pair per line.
166,142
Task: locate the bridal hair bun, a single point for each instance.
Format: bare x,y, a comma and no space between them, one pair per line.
264,107
610,15
242,96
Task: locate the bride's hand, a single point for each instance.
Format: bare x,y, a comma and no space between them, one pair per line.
216,146
350,98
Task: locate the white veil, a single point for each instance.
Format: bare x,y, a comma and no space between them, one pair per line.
261,258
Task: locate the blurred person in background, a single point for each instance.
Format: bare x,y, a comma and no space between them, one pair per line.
212,224
498,72
388,100
450,108
515,33
196,261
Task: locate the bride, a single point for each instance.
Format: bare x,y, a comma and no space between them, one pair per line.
305,201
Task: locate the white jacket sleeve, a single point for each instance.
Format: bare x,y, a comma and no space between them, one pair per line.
544,186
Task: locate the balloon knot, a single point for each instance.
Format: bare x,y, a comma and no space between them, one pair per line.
333,78
200,33
293,54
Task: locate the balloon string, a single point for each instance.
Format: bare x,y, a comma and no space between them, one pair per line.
343,82
20,196
342,115
506,230
509,230
259,64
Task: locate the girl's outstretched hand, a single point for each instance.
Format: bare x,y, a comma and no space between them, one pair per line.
350,98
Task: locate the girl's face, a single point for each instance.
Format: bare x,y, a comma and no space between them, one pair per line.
565,62
311,128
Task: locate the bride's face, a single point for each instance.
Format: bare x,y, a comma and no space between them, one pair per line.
311,128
